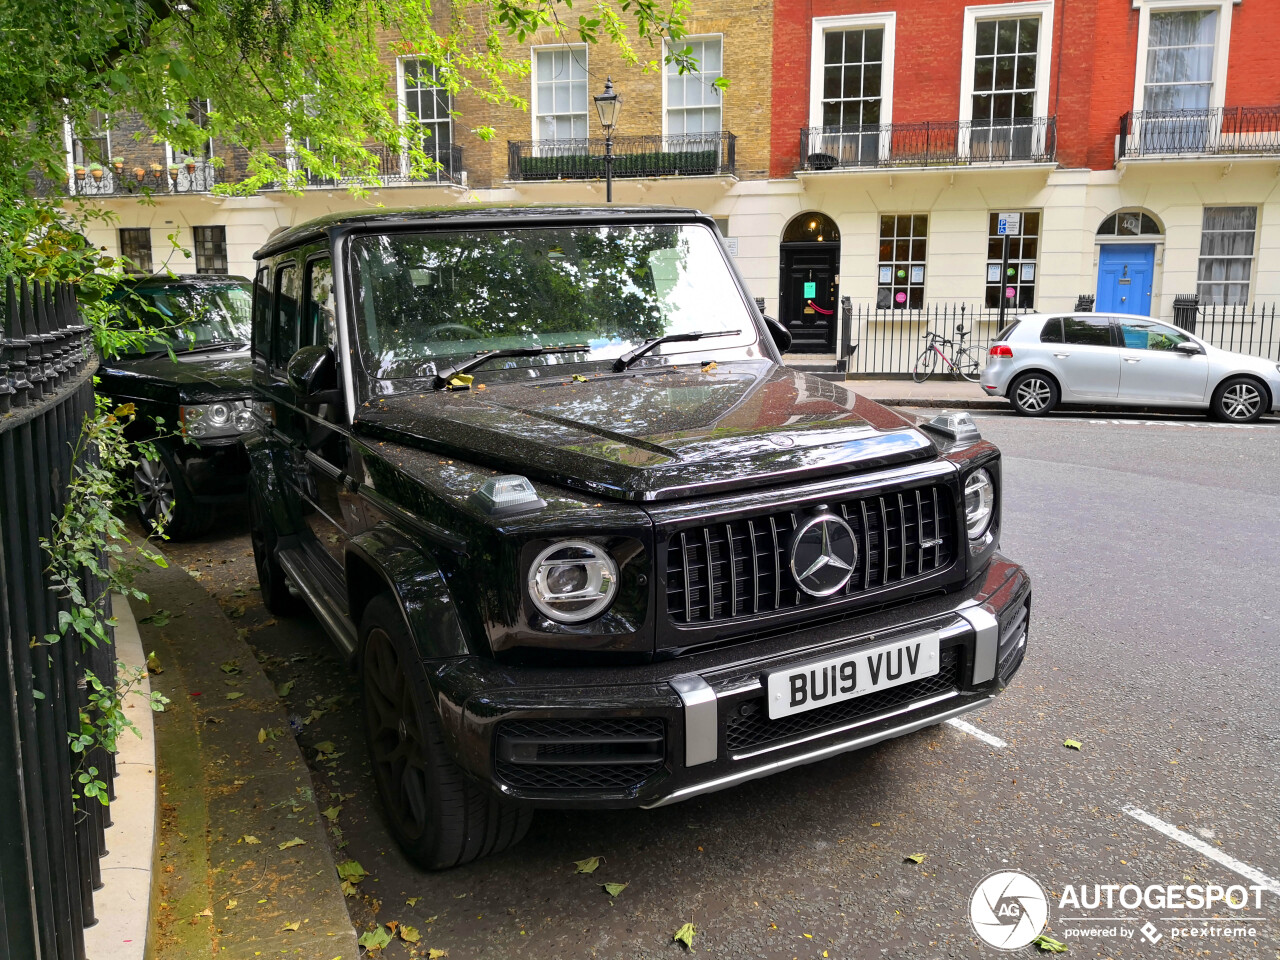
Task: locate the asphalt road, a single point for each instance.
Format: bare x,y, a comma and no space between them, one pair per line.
1154,547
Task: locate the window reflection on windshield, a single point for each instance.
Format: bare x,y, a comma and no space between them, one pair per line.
191,314
421,297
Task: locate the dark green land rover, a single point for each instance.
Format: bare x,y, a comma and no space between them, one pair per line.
542,475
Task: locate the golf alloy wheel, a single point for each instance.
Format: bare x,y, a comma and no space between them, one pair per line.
1241,402
1033,394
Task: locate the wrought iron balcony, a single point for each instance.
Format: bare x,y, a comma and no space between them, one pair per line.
1231,131
928,144
687,155
392,167
186,176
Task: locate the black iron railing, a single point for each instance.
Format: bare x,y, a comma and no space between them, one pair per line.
1230,131
1242,328
889,341
687,155
49,850
392,167
196,176
928,144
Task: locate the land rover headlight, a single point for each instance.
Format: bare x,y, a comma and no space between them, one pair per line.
979,503
573,580
226,418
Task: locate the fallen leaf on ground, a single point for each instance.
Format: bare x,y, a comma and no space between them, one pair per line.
579,378
351,870
914,858
375,939
709,367
159,618
325,747
250,838
413,902
230,666
409,934
153,663
262,735
1049,945
1073,744
332,812
588,865
234,695
685,935
295,842
292,925
206,912
284,688
231,904
434,954
613,889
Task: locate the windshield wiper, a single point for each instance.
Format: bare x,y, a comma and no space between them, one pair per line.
212,345
480,359
631,356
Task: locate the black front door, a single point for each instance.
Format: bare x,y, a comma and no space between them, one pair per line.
810,295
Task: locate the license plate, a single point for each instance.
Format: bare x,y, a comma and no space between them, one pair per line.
851,674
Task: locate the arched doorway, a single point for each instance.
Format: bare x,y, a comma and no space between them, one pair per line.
1127,262
809,282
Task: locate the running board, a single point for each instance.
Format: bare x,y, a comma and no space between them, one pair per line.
334,620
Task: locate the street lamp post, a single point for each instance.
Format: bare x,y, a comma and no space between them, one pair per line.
608,104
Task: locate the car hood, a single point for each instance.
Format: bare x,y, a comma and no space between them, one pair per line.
655,434
192,378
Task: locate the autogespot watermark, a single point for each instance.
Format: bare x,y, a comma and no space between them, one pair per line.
1010,909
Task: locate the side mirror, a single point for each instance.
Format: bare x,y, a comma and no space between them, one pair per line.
313,374
1190,348
781,335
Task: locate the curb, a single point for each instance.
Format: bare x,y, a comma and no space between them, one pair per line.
950,403
122,905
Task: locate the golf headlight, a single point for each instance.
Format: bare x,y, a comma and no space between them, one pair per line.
979,503
572,581
227,418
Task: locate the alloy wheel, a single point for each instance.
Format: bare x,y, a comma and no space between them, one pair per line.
1241,401
395,736
154,489
1033,394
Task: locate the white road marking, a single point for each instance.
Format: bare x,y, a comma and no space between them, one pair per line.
1204,849
981,734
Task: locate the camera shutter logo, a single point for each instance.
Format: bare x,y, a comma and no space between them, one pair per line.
1008,910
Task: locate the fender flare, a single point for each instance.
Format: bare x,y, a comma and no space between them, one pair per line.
383,558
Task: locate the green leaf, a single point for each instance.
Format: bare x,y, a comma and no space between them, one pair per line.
230,667
153,663
331,814
1050,945
295,842
351,870
234,695
1073,744
159,618
325,748
284,688
375,939
613,889
409,934
914,858
685,935
588,865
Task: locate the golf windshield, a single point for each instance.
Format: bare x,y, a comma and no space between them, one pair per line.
424,298
190,313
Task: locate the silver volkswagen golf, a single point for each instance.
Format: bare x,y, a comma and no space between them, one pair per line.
1040,361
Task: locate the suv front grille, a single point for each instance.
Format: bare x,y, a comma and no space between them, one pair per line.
611,753
742,567
753,728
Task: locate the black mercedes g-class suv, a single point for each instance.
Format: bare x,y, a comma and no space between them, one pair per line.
541,474
191,386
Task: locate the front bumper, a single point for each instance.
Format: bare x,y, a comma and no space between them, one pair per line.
215,471
655,734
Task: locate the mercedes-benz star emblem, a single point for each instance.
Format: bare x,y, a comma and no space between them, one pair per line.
823,555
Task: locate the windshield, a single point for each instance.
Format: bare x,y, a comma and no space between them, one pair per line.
424,297
190,314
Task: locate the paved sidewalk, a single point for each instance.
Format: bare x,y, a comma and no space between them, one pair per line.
934,392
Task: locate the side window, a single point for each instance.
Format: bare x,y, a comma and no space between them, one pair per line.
285,341
318,319
1087,331
262,313
1142,335
1051,332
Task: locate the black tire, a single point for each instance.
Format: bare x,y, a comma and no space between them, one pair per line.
1239,400
968,366
925,364
164,501
437,814
272,582
1033,394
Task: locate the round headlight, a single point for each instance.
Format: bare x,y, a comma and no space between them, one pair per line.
979,503
573,581
219,414
244,419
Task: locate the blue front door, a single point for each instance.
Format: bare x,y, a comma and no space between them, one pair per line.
1125,272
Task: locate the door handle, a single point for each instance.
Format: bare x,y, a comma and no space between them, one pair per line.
1062,356
1132,359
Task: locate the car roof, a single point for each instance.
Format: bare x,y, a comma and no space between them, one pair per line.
189,279
468,215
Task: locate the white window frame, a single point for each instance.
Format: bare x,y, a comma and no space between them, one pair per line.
573,48
1221,44
402,107
1250,284
666,48
969,47
887,19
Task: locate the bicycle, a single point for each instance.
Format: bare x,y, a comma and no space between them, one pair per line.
964,363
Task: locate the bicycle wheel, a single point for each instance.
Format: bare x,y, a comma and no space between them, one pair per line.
925,364
967,366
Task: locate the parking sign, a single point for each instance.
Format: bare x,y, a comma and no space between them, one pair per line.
1009,224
